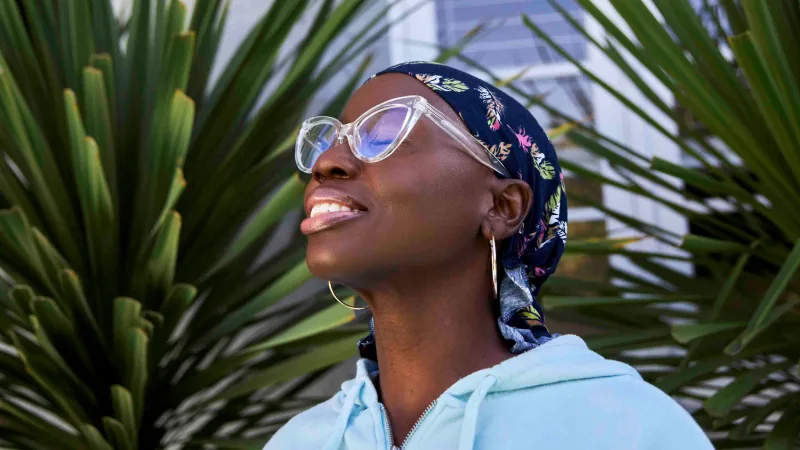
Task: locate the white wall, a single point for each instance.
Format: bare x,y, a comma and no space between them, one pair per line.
615,120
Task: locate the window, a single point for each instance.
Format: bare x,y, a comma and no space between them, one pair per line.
507,41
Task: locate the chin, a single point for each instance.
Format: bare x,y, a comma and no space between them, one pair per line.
333,261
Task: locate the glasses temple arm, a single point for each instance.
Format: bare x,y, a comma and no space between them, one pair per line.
465,139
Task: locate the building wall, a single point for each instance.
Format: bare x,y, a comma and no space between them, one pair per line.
508,43
618,122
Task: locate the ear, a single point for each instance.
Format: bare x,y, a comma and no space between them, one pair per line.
512,201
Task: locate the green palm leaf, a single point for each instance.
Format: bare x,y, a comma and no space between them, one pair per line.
131,288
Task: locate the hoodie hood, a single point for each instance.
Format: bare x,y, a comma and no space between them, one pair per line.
563,359
559,395
566,358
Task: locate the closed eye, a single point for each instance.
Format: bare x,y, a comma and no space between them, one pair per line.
381,141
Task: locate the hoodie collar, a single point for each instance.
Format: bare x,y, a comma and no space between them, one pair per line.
562,359
565,358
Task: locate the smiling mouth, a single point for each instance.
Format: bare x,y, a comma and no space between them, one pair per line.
325,215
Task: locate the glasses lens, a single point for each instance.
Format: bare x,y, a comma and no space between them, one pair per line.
314,142
379,131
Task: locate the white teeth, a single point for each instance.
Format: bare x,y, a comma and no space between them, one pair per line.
322,208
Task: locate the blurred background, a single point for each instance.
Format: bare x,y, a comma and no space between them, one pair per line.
155,293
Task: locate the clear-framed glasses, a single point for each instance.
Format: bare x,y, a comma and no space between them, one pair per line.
378,132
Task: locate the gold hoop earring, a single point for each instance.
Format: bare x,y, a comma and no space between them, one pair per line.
494,265
354,308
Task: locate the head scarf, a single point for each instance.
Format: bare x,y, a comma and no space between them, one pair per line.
514,136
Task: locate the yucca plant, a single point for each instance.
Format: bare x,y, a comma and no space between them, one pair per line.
726,338
149,298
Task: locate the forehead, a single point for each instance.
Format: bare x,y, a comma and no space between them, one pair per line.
388,86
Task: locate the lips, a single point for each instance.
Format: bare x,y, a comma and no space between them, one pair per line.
327,207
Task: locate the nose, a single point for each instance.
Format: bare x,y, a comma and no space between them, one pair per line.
336,162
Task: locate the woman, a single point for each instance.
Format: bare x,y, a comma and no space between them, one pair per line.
441,202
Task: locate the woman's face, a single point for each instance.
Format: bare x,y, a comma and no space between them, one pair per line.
422,206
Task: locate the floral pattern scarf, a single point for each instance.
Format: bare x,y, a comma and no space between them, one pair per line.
514,136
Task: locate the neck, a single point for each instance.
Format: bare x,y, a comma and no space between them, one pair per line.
431,330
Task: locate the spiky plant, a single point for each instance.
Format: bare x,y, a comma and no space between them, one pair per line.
137,310
726,338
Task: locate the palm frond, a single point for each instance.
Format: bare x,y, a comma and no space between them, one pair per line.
138,198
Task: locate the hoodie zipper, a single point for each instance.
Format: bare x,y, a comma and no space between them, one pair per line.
388,429
390,437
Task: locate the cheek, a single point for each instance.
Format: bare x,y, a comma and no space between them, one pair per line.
425,206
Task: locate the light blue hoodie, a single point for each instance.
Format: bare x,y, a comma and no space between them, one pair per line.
558,396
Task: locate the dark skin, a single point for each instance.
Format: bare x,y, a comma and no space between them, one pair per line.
419,255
